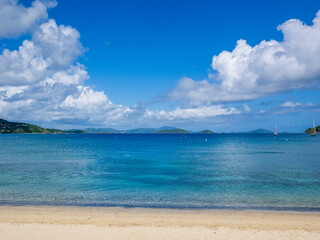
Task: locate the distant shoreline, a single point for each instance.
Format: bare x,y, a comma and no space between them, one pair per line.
127,133
167,208
7,127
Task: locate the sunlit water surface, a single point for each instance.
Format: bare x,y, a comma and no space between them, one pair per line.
233,171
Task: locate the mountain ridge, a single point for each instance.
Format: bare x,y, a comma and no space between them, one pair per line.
134,130
259,130
7,127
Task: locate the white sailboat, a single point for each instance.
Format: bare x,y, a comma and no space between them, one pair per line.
275,130
314,133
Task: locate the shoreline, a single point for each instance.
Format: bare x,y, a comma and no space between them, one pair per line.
71,214
30,222
169,208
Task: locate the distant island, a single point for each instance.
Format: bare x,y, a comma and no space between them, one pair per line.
206,131
101,130
176,130
310,130
7,127
260,130
136,130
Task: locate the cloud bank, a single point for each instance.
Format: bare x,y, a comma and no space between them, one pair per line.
17,19
199,112
296,104
52,49
42,81
271,67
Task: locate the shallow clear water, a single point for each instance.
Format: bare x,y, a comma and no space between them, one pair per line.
237,171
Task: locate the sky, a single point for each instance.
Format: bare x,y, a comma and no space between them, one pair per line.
218,65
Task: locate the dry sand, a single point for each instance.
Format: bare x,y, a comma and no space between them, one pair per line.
74,223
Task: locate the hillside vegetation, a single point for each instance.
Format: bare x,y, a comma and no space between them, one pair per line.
206,131
310,130
7,127
176,130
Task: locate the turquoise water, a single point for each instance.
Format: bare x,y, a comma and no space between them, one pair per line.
233,171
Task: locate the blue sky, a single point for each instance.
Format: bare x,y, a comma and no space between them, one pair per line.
150,63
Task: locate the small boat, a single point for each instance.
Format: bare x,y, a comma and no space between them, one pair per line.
275,130
314,133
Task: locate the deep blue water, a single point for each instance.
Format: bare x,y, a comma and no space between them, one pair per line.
237,171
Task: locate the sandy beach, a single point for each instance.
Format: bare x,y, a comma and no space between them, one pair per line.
74,223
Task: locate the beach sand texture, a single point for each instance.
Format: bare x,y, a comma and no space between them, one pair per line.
75,223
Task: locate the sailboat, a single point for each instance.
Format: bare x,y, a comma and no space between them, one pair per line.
314,133
275,130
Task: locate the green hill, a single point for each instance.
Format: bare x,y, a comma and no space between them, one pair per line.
136,130
101,130
206,131
175,130
74,131
16,127
53,130
310,130
260,130
7,127
141,130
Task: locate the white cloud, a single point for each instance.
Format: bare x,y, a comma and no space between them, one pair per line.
295,107
71,76
17,19
291,104
296,104
270,67
86,98
8,92
41,81
62,103
52,48
191,113
246,107
60,45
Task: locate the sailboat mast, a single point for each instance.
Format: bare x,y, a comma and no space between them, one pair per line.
275,129
314,127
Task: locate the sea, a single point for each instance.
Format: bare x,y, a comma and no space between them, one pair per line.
177,171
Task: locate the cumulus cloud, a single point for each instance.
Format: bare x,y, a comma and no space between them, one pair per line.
51,48
17,19
56,100
294,107
248,73
191,113
296,104
246,108
41,81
